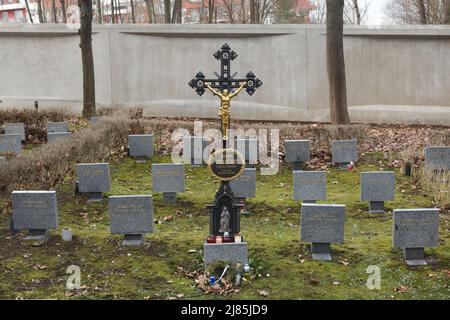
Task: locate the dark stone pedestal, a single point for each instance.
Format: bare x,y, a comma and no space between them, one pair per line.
37,234
321,251
133,240
298,166
414,256
376,206
95,196
169,197
229,252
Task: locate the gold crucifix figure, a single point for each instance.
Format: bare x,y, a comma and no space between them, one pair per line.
225,110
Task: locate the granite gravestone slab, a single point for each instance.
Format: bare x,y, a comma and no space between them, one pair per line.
16,128
93,179
322,224
437,158
231,253
377,187
94,120
169,179
131,216
297,152
310,186
36,211
344,151
10,143
244,187
141,146
57,127
194,150
249,148
413,230
55,136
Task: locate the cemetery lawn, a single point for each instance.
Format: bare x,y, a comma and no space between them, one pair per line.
160,269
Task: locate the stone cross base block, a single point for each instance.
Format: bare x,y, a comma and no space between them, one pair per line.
321,251
133,240
95,196
37,234
228,252
169,197
376,206
414,256
298,166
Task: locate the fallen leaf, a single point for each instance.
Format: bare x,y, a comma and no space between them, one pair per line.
402,289
263,293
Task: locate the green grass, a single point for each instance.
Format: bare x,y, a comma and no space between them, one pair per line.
272,233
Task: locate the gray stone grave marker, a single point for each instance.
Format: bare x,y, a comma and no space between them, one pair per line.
93,179
344,151
322,224
235,252
10,143
297,152
437,158
94,120
55,136
249,148
413,231
193,150
141,146
244,187
57,127
377,187
131,216
310,186
16,128
169,179
35,211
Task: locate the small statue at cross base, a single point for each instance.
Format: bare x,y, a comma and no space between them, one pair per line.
225,220
225,110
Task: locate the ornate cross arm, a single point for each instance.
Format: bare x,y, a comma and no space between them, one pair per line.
225,80
251,83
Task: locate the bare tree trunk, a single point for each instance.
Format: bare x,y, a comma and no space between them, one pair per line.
180,12
133,16
211,5
40,13
422,11
120,11
252,12
149,11
28,10
244,18
99,11
63,10
87,58
55,19
357,12
447,11
112,12
167,17
176,12
336,62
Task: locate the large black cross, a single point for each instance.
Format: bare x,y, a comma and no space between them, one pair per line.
225,80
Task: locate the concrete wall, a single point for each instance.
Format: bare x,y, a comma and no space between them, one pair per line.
393,74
